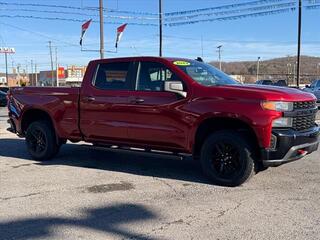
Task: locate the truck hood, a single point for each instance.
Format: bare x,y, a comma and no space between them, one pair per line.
264,92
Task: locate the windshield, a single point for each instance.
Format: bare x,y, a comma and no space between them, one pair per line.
204,74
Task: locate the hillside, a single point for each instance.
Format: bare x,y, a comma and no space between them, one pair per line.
278,68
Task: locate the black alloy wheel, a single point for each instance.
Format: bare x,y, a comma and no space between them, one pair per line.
227,158
41,141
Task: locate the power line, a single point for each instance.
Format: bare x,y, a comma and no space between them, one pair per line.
229,6
237,11
313,7
75,8
71,19
40,5
79,14
236,17
96,9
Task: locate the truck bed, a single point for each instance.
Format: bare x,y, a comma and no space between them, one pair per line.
60,103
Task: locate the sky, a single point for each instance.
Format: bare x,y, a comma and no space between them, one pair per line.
242,39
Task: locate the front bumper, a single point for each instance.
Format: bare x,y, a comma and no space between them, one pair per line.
290,146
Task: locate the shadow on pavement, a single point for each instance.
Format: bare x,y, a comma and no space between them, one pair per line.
118,161
110,219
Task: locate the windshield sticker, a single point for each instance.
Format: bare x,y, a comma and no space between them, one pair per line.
181,63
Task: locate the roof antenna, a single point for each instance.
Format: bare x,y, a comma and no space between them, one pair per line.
199,59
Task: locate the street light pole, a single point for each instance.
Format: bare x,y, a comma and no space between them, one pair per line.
299,42
101,29
258,65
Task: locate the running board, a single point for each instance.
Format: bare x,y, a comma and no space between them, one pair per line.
115,148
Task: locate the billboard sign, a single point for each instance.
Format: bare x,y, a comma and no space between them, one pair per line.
7,50
61,73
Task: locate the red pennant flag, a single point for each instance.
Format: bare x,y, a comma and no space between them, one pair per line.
84,28
120,31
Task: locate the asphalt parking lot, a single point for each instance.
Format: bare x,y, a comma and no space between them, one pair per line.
92,194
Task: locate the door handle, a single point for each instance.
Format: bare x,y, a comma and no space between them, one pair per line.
138,100
89,99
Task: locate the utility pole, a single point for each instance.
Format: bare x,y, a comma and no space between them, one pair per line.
32,72
101,29
288,72
258,65
160,28
50,48
294,71
35,69
18,72
6,51
57,68
299,42
219,51
6,60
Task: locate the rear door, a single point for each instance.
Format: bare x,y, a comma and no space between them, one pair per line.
104,102
155,115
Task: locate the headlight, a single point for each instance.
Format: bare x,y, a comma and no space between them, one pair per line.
277,106
282,122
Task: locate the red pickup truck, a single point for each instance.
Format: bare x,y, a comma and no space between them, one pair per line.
174,105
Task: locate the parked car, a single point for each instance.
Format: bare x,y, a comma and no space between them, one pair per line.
281,83
174,106
314,88
4,89
3,99
264,82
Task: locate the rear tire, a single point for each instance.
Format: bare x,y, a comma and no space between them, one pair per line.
227,158
41,141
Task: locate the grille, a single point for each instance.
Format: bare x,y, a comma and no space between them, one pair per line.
304,105
301,123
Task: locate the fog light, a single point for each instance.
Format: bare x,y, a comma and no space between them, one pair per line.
282,122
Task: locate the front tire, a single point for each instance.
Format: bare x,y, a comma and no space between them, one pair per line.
227,158
41,142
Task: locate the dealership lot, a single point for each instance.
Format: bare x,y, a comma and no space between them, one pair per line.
94,194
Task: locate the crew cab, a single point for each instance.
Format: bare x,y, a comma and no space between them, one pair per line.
170,105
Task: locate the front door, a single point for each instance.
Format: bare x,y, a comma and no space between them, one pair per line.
155,115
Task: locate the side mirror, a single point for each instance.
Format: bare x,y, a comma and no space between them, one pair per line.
175,87
307,86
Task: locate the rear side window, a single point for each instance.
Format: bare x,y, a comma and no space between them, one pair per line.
152,75
113,76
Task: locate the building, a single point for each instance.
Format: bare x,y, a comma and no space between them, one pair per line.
14,79
74,75
3,81
71,76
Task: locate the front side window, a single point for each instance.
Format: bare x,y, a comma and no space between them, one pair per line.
152,75
113,76
204,74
